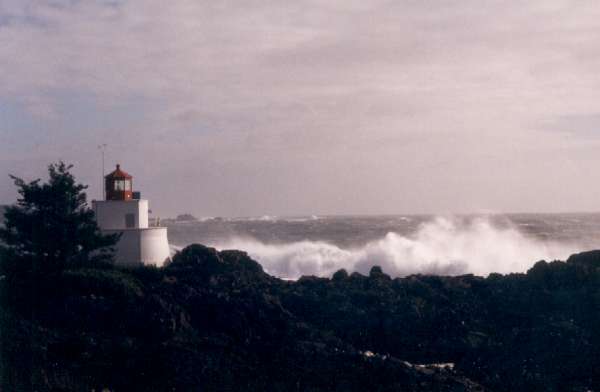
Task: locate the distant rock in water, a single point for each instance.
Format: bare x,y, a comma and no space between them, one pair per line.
186,218
215,321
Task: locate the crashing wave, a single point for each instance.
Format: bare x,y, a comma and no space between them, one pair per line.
443,246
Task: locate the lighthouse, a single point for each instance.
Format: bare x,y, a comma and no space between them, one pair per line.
125,212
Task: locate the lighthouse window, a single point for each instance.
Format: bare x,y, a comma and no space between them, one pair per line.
127,185
119,185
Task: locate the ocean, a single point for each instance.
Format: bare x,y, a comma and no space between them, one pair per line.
289,247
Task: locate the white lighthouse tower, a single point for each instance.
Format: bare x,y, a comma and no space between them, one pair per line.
124,212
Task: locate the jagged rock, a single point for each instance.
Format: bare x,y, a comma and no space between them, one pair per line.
377,272
339,275
589,259
216,321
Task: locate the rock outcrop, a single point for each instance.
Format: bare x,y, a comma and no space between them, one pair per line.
214,320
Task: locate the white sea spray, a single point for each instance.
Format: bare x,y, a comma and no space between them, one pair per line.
440,246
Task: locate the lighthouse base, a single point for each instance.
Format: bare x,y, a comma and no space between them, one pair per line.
148,246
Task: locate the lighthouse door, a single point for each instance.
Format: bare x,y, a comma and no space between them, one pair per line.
129,220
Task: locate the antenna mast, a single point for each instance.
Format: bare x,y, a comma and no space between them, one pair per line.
102,148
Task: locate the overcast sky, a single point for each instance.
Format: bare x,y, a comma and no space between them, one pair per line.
244,108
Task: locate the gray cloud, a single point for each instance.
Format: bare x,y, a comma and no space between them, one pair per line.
229,108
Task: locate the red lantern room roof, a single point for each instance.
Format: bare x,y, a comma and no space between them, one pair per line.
118,173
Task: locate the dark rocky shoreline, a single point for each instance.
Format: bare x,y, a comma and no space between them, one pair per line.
215,321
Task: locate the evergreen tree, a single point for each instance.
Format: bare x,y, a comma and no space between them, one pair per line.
51,227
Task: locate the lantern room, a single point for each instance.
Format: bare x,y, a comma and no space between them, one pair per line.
118,185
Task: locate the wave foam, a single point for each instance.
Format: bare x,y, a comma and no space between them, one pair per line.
443,246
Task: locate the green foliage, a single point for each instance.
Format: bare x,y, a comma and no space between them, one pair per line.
51,227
